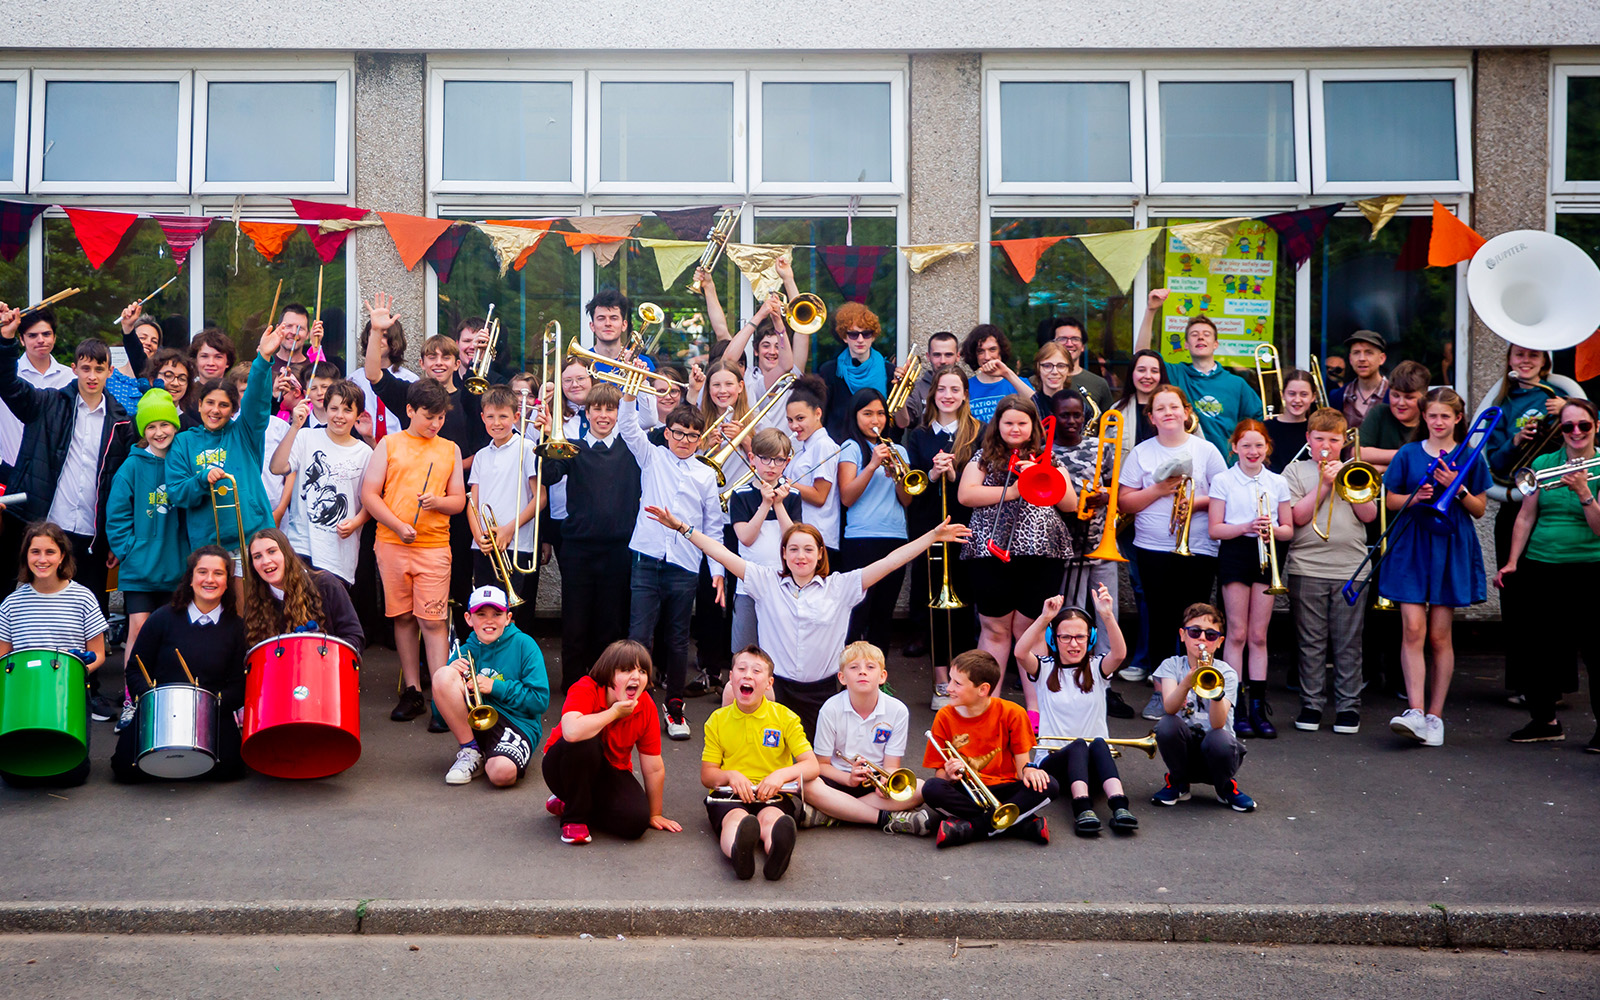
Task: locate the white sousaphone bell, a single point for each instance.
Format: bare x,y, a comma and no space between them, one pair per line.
1535,289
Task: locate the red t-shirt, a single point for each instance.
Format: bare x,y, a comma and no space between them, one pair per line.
640,729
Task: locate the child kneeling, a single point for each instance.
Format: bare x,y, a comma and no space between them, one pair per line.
1196,735
506,666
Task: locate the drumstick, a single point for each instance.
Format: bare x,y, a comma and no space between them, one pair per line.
185,667
142,670
319,292
52,300
158,291
274,311
425,476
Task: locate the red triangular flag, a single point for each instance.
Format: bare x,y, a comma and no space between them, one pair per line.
413,234
182,233
442,255
1025,254
852,269
1453,240
1414,251
327,244
99,233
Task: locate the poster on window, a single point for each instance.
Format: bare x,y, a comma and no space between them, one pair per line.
1235,290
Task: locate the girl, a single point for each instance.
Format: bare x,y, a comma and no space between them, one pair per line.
940,447
171,369
857,367
49,611
1072,704
875,515
146,534
815,460
1051,366
1009,594
1287,431
1145,373
588,762
988,353
724,407
1078,452
1151,476
200,621
1237,522
1430,575
282,595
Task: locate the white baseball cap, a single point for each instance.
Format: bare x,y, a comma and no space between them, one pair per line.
492,597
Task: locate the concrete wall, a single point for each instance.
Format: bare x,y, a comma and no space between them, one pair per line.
390,176
946,148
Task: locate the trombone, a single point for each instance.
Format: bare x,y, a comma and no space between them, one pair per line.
1001,814
1147,743
806,314
1266,358
1110,433
1356,482
479,715
900,392
747,425
478,381
555,444
503,569
1268,547
221,490
1316,381
946,599
897,785
630,377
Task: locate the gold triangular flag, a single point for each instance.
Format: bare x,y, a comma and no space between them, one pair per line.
510,242
921,256
756,261
1209,238
1379,211
672,256
1121,253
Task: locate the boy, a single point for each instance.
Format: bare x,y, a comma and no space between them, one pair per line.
944,348
1196,736
666,566
417,471
1221,399
995,736
863,720
1329,628
325,466
754,747
758,515
495,486
508,669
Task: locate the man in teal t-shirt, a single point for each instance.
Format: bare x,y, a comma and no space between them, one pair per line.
1220,398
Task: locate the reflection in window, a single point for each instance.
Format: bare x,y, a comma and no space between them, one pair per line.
688,336
96,131
666,132
138,268
1583,128
14,279
239,114
238,303
1227,132
1065,132
825,132
507,131
1390,130
1584,230
1069,283
8,127
546,288
811,274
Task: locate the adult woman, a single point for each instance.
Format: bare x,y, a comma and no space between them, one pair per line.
875,515
202,623
176,374
1287,430
282,594
941,447
1546,581
857,367
1050,366
802,610
588,762
987,353
1008,593
1145,373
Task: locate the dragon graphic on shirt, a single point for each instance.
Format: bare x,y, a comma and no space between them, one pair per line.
323,501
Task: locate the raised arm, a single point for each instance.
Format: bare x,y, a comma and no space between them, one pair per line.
381,312
731,561
944,532
1147,326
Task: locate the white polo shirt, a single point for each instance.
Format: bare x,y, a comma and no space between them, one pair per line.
842,734
802,628
808,453
494,472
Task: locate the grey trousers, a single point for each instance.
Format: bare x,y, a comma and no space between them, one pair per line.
1330,632
1192,754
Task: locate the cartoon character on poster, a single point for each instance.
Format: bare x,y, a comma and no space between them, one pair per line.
1236,290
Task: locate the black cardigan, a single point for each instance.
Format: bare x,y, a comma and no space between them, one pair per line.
603,493
214,653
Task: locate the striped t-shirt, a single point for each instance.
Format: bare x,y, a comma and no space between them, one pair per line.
67,619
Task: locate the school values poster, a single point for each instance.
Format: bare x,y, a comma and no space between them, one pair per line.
1236,290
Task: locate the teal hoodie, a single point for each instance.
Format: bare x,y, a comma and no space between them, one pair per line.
1220,398
521,689
237,448
144,529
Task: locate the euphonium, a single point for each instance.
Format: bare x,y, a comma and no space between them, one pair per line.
555,443
747,425
806,314
913,481
479,715
900,392
898,785
1001,815
1110,433
478,381
497,555
1266,358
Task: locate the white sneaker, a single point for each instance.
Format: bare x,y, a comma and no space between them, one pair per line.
1435,732
941,697
468,765
1134,674
1413,725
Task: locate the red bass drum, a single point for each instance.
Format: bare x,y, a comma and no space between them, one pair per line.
302,711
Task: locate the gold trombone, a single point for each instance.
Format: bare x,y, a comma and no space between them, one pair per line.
747,425
945,599
478,381
479,715
631,378
555,443
1269,548
900,392
1316,381
1001,814
1266,358
897,785
1146,743
221,490
1356,482
497,556
1110,433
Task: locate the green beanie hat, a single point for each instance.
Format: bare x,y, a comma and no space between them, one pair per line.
155,405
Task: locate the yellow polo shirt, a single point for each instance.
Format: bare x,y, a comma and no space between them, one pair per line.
754,744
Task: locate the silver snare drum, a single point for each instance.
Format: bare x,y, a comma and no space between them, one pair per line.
178,731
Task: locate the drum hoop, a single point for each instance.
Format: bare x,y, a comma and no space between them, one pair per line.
42,651
217,695
325,637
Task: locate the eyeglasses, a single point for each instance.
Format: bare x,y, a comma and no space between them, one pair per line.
772,463
677,435
575,380
1053,366
857,334
1073,638
1196,632
1577,427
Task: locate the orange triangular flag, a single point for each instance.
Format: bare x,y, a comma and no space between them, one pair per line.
99,233
1025,254
1453,241
269,237
413,235
540,224
606,248
1588,358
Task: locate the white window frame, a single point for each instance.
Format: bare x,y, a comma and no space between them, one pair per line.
897,134
738,79
18,181
1135,185
437,78
179,184
1153,80
340,184
1463,131
1559,184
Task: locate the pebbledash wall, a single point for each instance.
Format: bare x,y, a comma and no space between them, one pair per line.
920,123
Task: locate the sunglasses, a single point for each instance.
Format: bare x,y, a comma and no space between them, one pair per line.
1577,427
858,335
1196,632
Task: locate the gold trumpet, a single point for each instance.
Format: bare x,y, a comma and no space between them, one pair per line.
1269,548
747,426
631,378
1001,814
716,242
221,490
1147,743
555,444
1208,682
478,381
497,556
900,392
1182,515
479,715
898,785
1266,358
806,314
913,481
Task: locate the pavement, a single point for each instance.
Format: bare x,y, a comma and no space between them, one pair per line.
1359,839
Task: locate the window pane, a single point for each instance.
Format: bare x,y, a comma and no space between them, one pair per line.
634,271
1069,283
825,132
1390,130
138,268
1065,132
811,274
666,132
8,126
1583,230
111,131
1384,285
1227,294
239,114
546,288
1227,132
507,131
14,279
238,303
1583,128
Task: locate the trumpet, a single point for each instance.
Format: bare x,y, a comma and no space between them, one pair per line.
1269,548
1110,433
747,426
716,242
725,793
913,481
1266,358
897,785
555,444
1001,815
221,490
649,315
806,314
1146,743
479,715
630,377
497,556
1529,482
478,381
1182,516
900,392
1208,682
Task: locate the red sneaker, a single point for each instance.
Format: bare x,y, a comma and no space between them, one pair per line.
954,832
554,806
575,833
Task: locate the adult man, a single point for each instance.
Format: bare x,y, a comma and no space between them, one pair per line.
1068,332
39,369
295,325
1367,355
1220,398
944,348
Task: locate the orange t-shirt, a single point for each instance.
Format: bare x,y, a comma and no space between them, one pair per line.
1003,726
417,465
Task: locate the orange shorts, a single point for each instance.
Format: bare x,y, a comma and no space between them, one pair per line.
415,581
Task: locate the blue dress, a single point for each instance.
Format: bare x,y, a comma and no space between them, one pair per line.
1425,568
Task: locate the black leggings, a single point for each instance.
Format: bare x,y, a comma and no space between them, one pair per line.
593,791
1544,660
1171,583
1081,760
873,618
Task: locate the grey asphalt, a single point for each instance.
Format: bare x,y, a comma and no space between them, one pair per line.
72,966
1359,821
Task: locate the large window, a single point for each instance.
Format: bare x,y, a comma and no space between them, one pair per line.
1242,130
13,129
666,135
1403,132
238,303
1066,134
140,265
821,132
234,110
1582,228
1575,129
506,132
110,132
